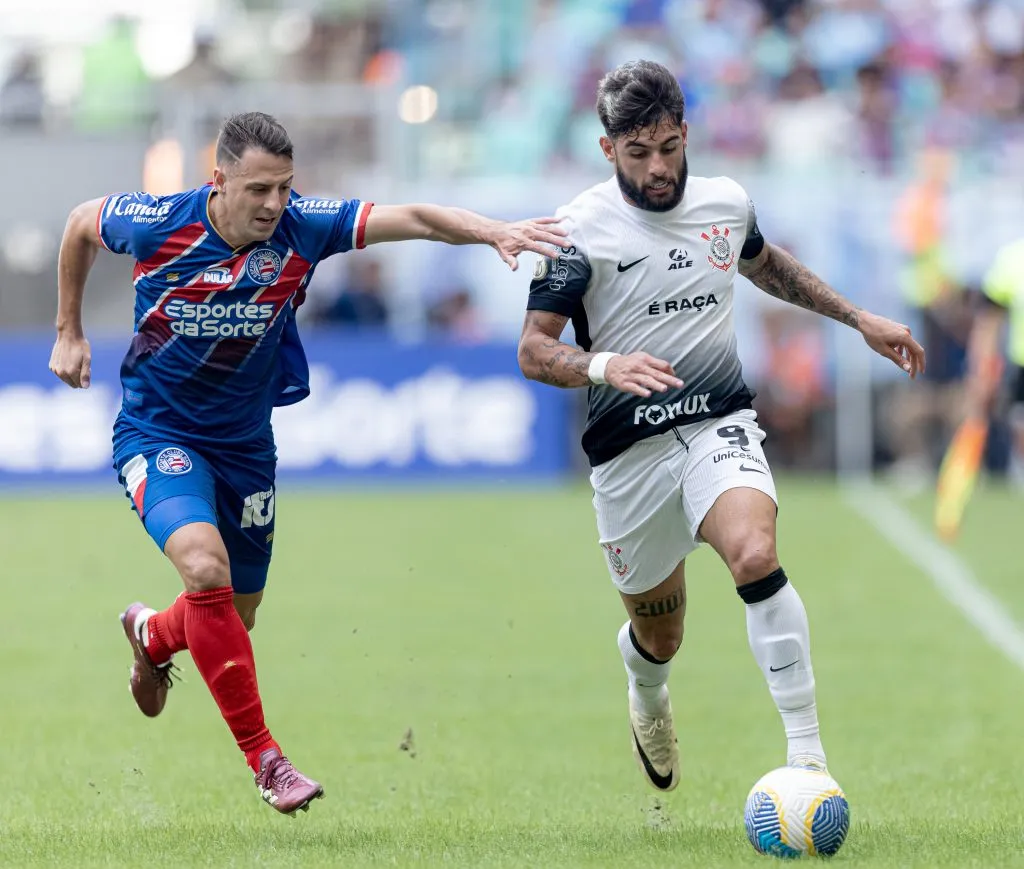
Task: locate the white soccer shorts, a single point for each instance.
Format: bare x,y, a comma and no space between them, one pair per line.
651,499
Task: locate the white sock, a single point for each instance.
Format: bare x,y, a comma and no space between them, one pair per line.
780,640
142,626
647,677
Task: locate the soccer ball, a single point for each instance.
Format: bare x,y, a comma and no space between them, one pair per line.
793,811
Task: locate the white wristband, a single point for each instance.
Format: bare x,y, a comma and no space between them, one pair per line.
597,366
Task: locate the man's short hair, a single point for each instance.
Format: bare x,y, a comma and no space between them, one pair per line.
251,130
638,95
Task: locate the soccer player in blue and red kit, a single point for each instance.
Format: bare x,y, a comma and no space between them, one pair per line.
219,273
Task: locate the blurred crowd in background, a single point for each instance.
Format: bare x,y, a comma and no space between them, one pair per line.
860,119
770,82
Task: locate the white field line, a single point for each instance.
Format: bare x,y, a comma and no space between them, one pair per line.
947,571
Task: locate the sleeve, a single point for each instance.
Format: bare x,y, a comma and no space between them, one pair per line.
753,244
1000,283
333,225
126,220
560,282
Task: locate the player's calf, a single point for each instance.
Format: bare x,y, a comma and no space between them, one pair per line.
654,743
648,642
652,636
217,638
741,528
779,638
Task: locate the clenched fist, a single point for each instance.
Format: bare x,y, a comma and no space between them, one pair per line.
71,360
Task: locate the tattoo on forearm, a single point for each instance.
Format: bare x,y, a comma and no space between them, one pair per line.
551,361
566,366
783,276
649,609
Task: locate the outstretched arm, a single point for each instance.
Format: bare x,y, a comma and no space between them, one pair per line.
71,358
544,357
780,274
459,226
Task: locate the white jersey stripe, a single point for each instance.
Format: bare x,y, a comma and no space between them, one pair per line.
355,225
255,297
171,262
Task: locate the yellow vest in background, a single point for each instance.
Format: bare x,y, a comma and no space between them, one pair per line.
1004,285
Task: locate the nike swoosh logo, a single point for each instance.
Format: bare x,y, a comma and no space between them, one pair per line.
777,669
755,470
623,268
661,782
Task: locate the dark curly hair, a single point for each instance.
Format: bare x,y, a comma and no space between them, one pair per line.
637,95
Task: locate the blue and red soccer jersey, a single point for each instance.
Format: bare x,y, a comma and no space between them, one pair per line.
215,346
215,349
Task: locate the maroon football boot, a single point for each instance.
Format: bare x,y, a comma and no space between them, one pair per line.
282,786
149,683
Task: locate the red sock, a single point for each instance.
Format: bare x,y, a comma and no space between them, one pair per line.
167,632
222,653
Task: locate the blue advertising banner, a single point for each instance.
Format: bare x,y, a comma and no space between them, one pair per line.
379,411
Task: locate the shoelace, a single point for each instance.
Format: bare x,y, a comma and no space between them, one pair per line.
656,725
279,771
650,728
163,674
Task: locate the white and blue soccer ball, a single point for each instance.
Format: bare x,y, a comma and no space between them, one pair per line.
793,811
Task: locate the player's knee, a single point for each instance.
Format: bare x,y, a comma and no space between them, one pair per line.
202,570
248,618
753,559
663,643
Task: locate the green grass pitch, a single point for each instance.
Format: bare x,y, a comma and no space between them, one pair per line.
484,621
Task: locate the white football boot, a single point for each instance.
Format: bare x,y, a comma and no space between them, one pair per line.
654,744
808,761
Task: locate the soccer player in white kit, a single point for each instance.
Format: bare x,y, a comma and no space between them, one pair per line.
674,446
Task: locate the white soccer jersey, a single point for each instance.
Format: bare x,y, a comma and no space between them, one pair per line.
660,282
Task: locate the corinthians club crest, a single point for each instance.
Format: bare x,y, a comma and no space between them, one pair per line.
615,559
722,256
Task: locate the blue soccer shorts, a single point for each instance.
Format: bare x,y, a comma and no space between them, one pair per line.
171,485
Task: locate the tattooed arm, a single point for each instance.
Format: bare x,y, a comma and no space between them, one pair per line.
780,274
544,357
